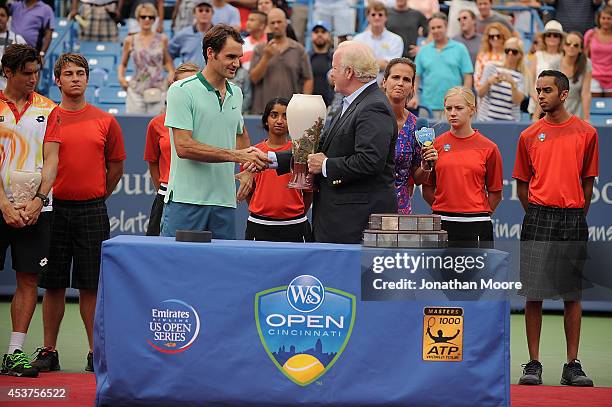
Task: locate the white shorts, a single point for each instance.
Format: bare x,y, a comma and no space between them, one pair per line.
597,88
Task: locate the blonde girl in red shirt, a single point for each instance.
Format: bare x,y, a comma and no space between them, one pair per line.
466,184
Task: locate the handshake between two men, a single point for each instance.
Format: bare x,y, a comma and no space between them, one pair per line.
254,160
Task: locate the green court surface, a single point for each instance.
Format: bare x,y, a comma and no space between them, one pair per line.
595,346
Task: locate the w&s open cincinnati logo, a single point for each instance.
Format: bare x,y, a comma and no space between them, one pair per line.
173,326
304,326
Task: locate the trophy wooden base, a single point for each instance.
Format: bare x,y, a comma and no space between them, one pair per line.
301,178
405,231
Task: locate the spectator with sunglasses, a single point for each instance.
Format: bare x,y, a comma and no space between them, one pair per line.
146,91
577,67
492,48
502,88
469,37
385,44
549,54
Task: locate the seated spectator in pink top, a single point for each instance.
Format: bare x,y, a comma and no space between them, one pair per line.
256,27
34,21
598,46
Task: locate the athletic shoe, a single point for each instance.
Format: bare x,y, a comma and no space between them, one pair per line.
17,364
89,367
573,375
532,373
47,360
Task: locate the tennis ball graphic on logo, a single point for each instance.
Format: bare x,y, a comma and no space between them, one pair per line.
303,368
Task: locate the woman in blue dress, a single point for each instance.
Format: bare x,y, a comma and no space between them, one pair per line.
411,160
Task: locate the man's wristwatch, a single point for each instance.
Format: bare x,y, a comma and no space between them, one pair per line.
43,198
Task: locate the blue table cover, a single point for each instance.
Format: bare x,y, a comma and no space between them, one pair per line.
176,324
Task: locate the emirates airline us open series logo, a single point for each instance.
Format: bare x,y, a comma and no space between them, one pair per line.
174,326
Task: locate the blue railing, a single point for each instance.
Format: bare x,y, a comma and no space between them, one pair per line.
65,40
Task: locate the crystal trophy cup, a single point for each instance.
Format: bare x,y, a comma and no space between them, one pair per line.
305,119
24,185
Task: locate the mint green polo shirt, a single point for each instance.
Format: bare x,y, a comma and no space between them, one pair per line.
193,104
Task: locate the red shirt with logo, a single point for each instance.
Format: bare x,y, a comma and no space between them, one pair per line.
271,197
467,168
90,138
554,159
157,146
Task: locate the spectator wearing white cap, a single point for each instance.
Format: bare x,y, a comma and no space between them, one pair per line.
545,58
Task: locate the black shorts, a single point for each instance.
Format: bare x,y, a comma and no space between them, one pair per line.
298,232
468,234
77,232
157,210
553,253
29,245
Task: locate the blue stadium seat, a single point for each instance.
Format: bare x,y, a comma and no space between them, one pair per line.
56,95
105,62
97,77
61,25
601,120
112,108
91,48
601,106
112,95
123,33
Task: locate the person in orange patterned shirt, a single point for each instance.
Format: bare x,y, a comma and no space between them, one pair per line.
29,141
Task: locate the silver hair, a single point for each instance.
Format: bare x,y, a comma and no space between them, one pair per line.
360,58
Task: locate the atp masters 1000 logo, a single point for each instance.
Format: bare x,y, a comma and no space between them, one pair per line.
304,326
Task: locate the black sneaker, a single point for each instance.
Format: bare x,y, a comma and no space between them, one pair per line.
573,375
89,367
532,373
17,364
47,360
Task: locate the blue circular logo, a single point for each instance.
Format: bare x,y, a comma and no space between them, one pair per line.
305,293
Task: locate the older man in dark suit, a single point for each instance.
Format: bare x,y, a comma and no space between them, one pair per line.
355,159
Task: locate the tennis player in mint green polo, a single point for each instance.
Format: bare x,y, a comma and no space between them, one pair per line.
208,137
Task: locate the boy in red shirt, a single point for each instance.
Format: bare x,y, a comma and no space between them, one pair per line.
556,163
90,165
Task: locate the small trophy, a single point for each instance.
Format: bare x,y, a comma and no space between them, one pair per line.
305,119
24,185
425,136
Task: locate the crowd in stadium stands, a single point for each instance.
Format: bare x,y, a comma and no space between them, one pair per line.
285,53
